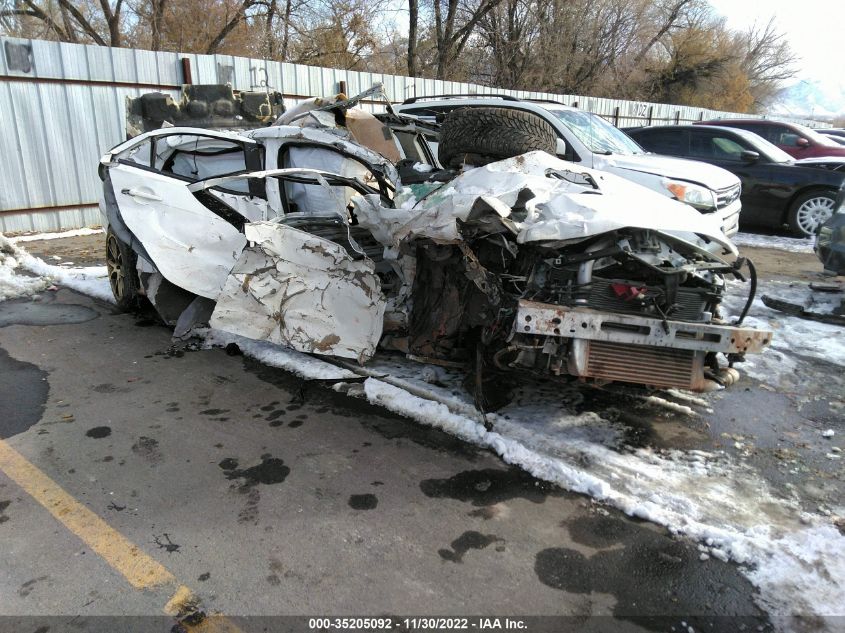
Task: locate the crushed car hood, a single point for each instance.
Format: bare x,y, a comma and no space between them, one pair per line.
693,171
543,199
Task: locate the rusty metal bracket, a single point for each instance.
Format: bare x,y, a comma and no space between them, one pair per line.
583,323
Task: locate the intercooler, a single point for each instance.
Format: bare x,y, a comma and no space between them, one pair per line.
643,364
634,348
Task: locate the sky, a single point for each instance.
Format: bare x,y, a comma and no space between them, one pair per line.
814,29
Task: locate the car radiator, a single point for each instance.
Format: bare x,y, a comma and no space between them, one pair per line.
690,304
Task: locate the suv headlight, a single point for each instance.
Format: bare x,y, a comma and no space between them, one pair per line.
694,195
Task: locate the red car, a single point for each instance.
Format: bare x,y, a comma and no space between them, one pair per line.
796,140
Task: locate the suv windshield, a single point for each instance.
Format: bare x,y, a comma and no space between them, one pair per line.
596,133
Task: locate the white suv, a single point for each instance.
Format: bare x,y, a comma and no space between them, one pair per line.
591,141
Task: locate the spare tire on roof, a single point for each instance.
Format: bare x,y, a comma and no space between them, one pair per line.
492,134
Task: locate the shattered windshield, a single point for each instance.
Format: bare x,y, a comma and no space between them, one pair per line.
597,134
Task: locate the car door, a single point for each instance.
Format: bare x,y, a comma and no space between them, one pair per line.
723,149
306,281
193,240
665,141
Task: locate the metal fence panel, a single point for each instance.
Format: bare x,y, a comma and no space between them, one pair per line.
62,107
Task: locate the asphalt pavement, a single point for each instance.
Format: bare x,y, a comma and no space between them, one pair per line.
139,478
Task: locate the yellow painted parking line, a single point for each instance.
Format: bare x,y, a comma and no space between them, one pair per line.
128,559
121,554
181,601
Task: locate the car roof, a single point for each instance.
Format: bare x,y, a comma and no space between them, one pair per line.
765,121
505,100
691,127
503,97
748,135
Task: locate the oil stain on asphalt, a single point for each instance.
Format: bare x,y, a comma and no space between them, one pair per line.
366,501
467,541
654,578
271,470
371,417
166,544
3,506
23,395
490,486
98,432
27,587
147,449
44,312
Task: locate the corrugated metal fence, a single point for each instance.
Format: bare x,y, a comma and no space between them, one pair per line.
62,106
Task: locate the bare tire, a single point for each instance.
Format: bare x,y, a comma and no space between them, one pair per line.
809,211
123,274
495,133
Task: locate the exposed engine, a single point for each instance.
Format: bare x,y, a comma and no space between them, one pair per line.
633,306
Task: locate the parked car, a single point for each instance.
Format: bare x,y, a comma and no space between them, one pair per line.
305,235
796,140
833,134
776,190
590,141
832,131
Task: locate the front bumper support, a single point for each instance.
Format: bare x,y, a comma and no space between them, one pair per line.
583,323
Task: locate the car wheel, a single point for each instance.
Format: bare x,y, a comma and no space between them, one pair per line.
123,275
809,211
496,133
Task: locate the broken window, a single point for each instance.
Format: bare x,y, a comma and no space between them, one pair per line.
140,154
195,157
318,199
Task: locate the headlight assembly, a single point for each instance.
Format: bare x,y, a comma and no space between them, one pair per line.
695,195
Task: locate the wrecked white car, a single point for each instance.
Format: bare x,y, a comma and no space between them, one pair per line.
339,236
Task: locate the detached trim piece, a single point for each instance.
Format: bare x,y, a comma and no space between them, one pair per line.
582,323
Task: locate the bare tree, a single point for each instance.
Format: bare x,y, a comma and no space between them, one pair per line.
413,24
156,23
767,60
453,29
509,31
103,28
337,33
238,16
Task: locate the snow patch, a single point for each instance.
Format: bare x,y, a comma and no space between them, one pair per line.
33,237
789,244
303,365
91,280
792,336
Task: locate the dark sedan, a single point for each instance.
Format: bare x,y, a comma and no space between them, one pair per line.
796,140
775,189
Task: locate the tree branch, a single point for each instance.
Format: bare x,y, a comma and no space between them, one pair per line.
80,19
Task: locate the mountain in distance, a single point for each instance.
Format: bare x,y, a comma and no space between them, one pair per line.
817,99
